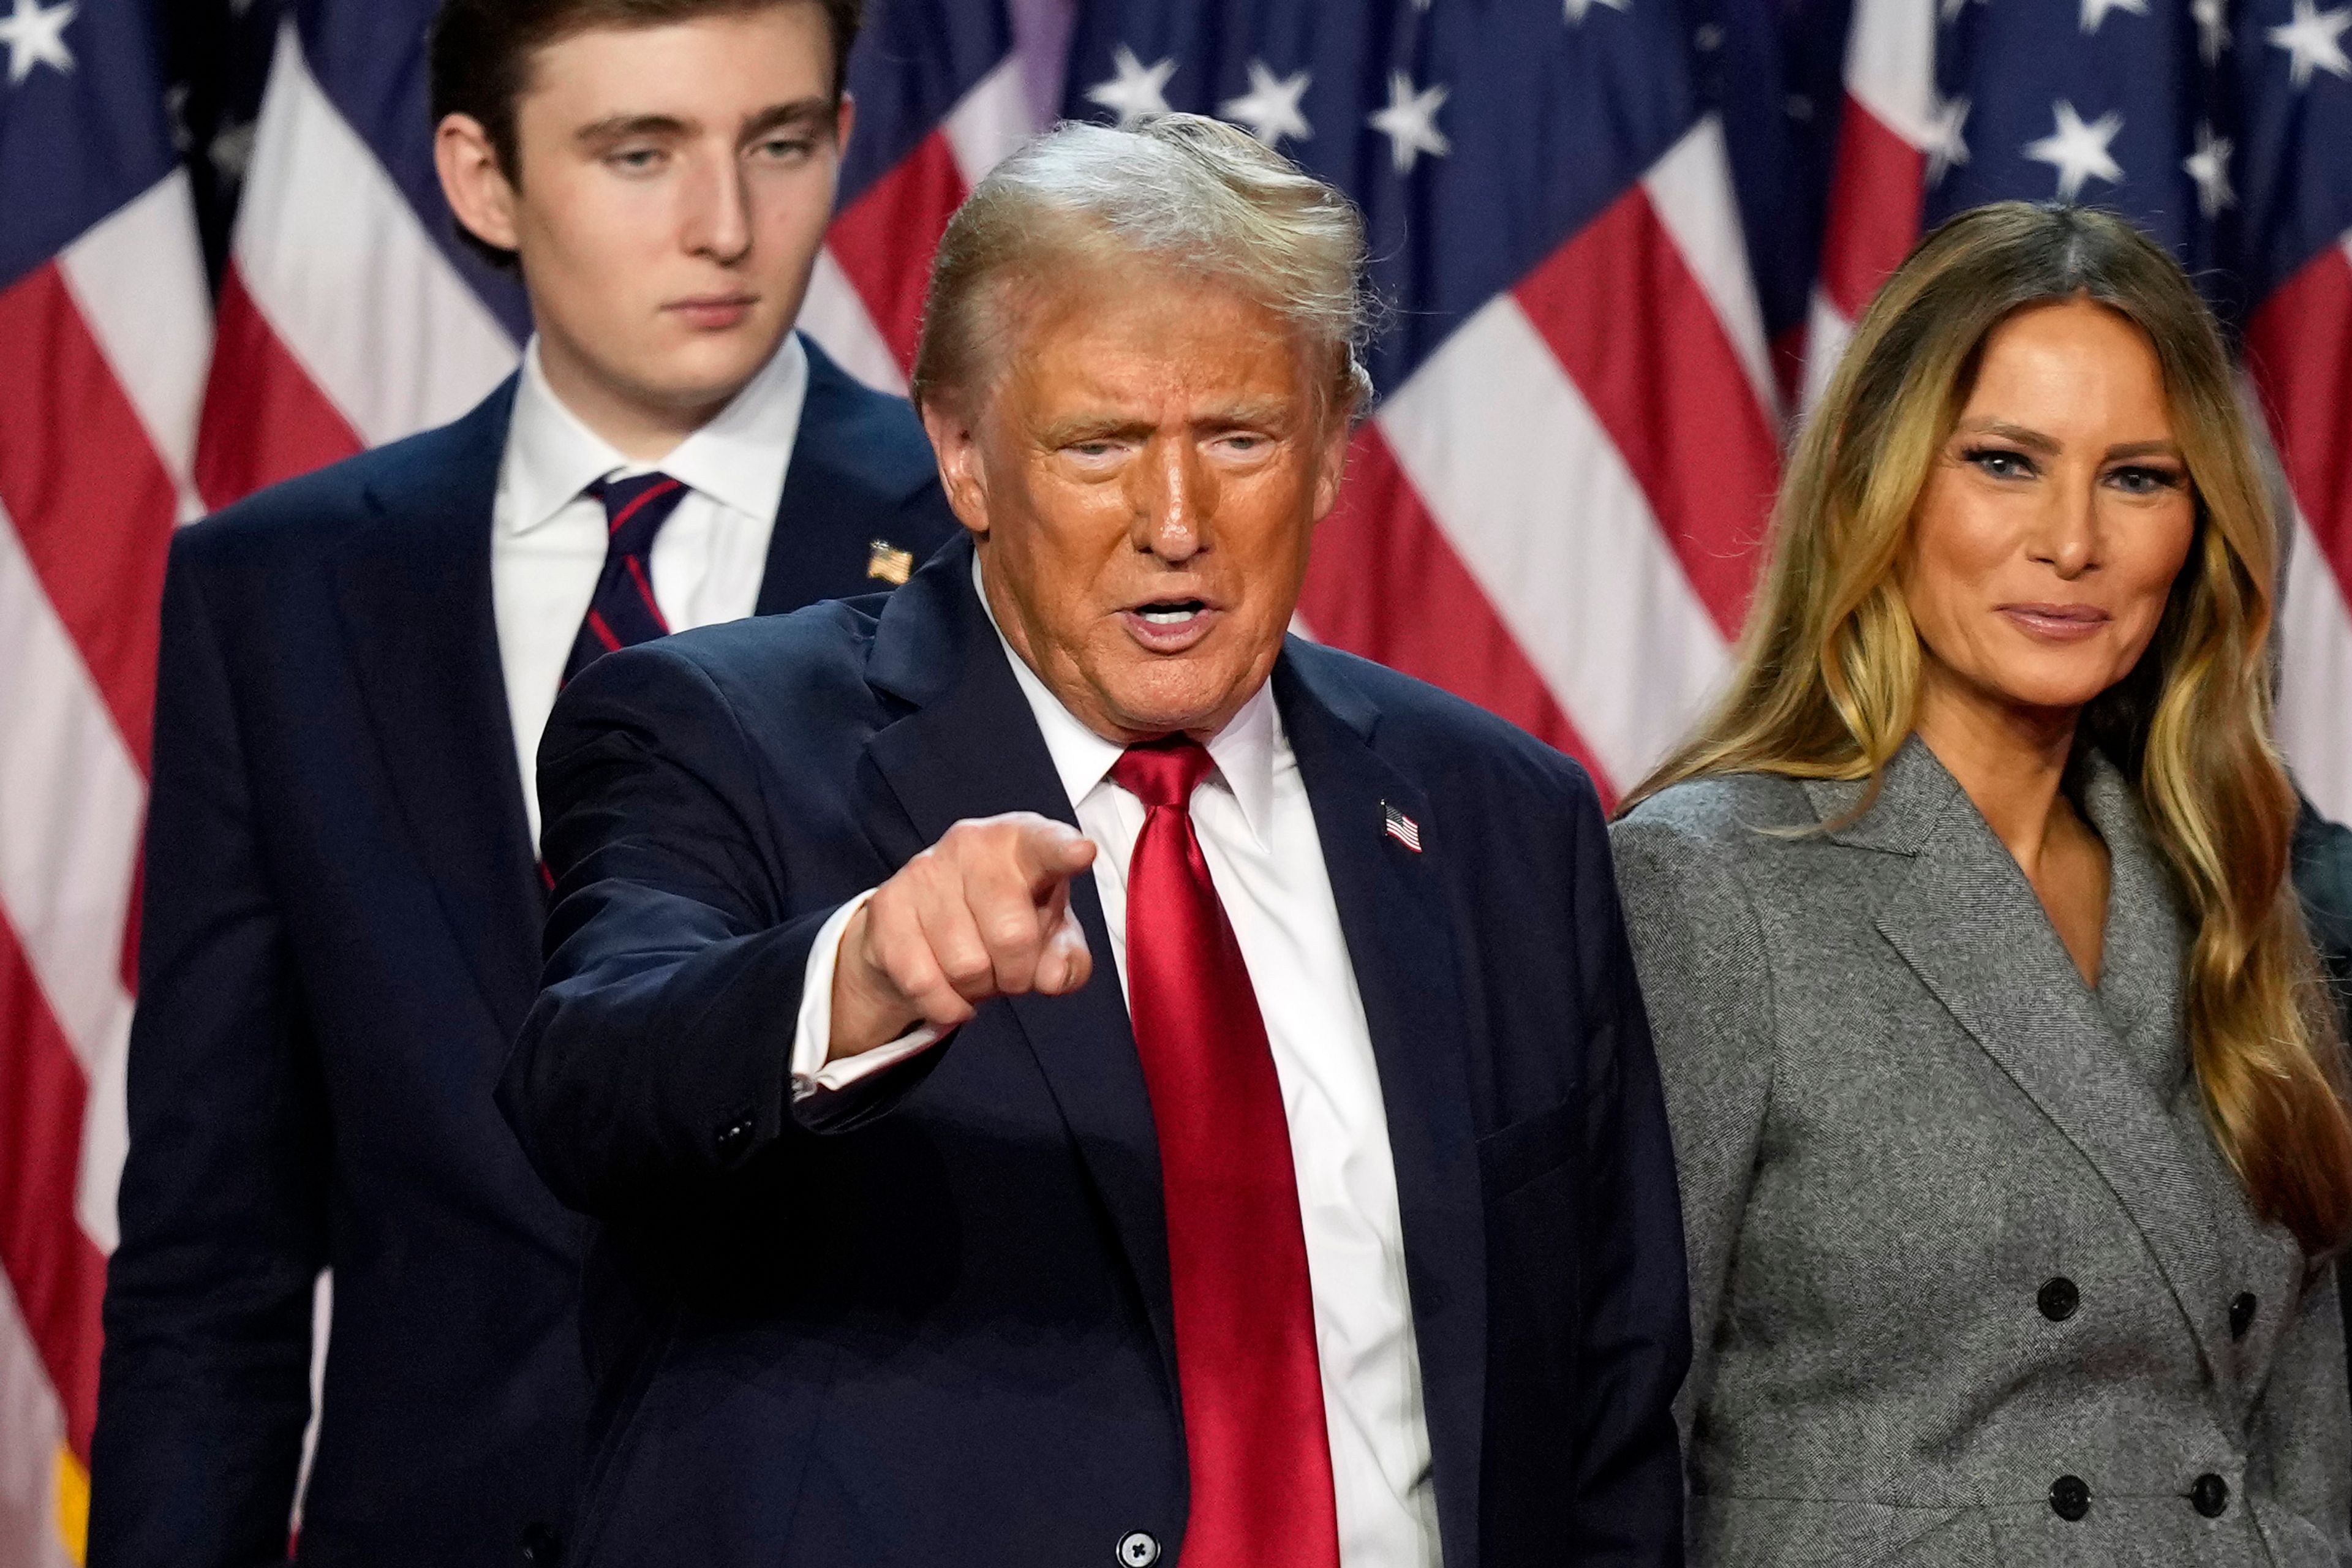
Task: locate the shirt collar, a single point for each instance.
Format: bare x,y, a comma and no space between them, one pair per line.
737,459
1243,750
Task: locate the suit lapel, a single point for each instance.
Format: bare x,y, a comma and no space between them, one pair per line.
413,588
834,473
971,748
1963,917
1400,933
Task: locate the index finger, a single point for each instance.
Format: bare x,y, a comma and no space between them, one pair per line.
1050,853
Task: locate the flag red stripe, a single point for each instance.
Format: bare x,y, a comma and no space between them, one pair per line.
265,420
93,503
1875,191
2299,348
1638,336
884,240
1385,582
57,1273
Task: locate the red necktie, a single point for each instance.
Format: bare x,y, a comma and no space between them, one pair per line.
1253,1435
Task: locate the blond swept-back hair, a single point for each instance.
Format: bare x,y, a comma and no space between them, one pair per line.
1827,680
1184,189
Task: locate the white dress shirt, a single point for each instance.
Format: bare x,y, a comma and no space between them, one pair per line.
1258,833
547,535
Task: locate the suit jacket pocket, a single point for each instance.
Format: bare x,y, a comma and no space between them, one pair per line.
1529,1149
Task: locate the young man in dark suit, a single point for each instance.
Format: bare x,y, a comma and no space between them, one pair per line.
1068,1074
343,897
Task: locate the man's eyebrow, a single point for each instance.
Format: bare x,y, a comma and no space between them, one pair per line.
2031,440
800,114
1094,427
620,127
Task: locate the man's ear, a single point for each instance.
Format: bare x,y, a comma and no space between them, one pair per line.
844,121
478,189
957,445
1331,459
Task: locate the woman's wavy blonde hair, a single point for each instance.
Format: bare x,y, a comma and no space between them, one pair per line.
1827,681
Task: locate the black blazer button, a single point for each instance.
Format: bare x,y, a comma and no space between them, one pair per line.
540,1546
1136,1549
2058,1299
2069,1498
734,1138
2208,1494
2242,1314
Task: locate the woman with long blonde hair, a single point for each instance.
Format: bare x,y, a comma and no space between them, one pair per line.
2010,1116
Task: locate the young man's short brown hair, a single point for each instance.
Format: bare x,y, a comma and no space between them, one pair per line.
478,53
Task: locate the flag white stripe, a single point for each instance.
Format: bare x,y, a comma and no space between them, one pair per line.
341,266
72,803
989,121
1690,190
139,280
1890,65
32,1436
2314,702
1515,468
835,316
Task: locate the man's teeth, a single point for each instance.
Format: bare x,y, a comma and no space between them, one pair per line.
1169,615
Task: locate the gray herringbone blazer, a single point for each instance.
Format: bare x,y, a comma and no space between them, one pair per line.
1958,1228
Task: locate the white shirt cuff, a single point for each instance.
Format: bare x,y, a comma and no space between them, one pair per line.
813,1035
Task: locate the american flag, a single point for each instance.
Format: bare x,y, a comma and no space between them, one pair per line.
347,316
1556,507
1597,221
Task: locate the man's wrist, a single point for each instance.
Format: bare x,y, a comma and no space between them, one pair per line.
861,1020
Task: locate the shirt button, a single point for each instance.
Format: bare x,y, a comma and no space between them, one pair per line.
2242,1314
2058,1299
1137,1549
2208,1494
2070,1499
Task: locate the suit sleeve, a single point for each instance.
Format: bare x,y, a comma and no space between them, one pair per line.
657,1058
1699,950
205,1381
1629,1481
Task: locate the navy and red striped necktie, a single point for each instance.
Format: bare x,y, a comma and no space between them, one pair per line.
623,613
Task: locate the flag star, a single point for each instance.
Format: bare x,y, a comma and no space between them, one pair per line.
1410,122
2212,19
1947,147
36,38
2095,11
1578,10
2078,152
1138,90
2314,38
1270,107
2210,167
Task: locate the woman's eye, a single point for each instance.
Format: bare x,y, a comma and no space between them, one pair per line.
2144,481
1999,462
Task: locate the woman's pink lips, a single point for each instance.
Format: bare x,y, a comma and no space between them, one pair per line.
2057,623
1173,637
719,310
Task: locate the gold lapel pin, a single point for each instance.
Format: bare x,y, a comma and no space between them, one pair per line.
886,563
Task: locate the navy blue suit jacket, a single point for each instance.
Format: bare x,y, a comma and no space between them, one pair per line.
340,939
944,1333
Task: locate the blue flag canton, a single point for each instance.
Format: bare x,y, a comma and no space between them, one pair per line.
82,128
913,62
1477,139
2224,127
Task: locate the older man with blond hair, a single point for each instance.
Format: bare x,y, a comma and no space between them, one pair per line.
1068,1072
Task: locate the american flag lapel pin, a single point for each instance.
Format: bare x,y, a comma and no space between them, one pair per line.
1401,827
886,563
